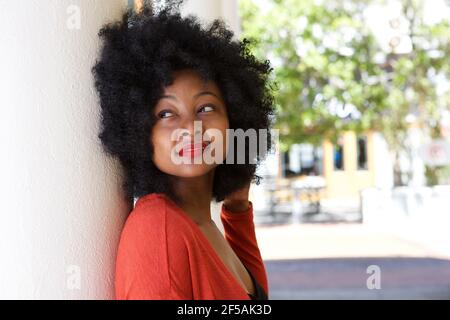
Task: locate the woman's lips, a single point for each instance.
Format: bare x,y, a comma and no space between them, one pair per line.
193,149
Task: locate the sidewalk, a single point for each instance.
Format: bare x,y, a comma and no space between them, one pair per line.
330,261
305,241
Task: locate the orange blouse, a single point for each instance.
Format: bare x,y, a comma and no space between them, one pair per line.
164,255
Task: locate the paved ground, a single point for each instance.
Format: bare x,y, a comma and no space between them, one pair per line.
331,260
346,278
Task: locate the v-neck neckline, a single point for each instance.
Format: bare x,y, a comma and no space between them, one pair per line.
209,246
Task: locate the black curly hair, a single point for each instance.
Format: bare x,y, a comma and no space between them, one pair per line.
139,55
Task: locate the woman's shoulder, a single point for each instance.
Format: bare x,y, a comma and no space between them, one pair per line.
153,215
154,200
149,248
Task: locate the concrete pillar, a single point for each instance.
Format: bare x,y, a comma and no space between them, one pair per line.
208,10
62,206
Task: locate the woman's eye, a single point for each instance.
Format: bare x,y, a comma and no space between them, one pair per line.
207,108
162,113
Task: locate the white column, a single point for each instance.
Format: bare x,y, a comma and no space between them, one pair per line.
384,177
62,206
207,10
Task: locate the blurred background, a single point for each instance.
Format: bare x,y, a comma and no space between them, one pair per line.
354,203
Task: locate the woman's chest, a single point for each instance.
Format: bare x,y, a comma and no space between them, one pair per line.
228,257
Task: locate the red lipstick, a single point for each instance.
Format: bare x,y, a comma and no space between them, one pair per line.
193,149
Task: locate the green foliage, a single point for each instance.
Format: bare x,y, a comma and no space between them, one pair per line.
326,57
322,54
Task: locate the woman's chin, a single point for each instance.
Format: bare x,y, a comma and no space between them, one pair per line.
193,170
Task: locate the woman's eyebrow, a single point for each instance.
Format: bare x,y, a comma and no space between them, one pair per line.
168,97
206,93
196,96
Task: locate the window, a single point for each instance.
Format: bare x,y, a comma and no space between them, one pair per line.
338,155
361,148
295,166
302,159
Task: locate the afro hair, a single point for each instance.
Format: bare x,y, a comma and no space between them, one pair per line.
138,58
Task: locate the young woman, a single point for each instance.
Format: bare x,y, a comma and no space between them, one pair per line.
158,74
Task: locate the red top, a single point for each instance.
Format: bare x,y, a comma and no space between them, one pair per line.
164,255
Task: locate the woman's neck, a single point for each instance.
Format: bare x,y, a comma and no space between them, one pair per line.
195,195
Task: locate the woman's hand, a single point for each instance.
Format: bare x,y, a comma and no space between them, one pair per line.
238,200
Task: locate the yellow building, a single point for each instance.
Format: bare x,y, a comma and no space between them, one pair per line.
346,167
357,170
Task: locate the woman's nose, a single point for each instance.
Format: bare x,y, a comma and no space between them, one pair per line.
191,129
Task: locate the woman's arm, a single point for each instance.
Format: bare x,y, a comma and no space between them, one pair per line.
238,201
237,219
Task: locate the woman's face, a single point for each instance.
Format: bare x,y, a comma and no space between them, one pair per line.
180,146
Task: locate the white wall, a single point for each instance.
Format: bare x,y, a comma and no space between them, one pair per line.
208,10
62,210
384,177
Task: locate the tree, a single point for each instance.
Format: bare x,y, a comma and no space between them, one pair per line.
327,78
333,75
414,86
